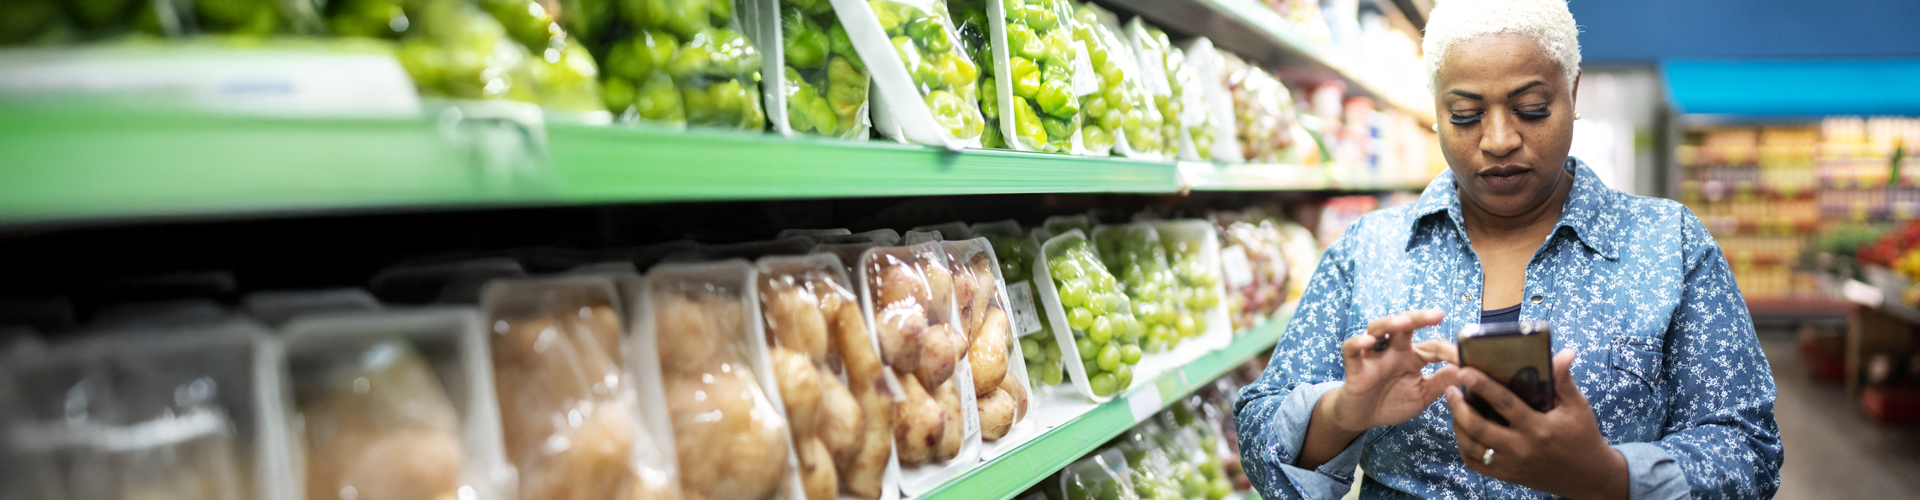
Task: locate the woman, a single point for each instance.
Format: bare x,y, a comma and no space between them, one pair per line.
1660,385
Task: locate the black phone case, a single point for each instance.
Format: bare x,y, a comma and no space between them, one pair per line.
1529,384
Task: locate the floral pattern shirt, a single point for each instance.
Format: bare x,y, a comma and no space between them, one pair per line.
1635,285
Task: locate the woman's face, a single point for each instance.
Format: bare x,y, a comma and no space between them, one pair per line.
1506,122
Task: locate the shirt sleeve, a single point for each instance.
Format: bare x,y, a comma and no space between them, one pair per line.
1271,414
1720,433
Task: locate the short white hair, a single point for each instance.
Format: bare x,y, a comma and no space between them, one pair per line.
1545,21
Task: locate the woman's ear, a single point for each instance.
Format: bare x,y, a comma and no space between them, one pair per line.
1576,86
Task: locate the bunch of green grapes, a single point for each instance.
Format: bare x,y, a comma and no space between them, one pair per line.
1199,470
970,18
683,63
826,80
948,80
1104,328
1197,281
1041,350
1121,105
1134,253
1147,472
1087,487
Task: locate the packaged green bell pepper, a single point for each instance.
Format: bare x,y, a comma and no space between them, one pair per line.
926,86
1045,70
822,79
1121,117
682,62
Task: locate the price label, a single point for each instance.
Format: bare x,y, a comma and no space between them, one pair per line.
1085,81
1026,317
1236,267
1144,403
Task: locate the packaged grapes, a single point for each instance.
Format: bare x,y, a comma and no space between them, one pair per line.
907,293
456,49
1121,118
926,86
1193,251
1149,469
171,413
1209,68
395,405
1015,250
822,82
730,427
560,376
1101,331
1102,476
1182,102
829,378
997,365
683,62
1132,252
1060,224
1264,111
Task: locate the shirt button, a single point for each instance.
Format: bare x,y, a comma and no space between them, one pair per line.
1465,297
1537,299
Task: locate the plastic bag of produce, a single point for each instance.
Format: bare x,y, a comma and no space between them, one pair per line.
395,405
1193,251
1252,268
821,79
567,404
1183,104
1209,67
907,293
830,379
926,87
1041,73
729,424
684,62
970,24
1122,118
1015,251
1264,111
1102,476
1149,470
455,49
567,76
1102,333
993,353
1133,253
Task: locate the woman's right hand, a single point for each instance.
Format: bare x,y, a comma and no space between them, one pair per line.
1384,385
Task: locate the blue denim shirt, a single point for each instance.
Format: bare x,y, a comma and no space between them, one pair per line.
1667,353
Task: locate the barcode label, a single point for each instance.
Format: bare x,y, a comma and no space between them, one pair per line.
1234,264
1026,317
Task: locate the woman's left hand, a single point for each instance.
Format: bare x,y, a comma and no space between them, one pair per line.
1559,451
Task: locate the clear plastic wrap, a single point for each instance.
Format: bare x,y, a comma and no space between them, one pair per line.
396,405
1188,129
1121,117
731,431
1102,332
1132,252
1102,476
822,80
683,62
997,365
908,293
1263,111
1193,252
1209,67
1015,250
830,378
495,50
1041,74
1252,268
1149,468
926,87
567,407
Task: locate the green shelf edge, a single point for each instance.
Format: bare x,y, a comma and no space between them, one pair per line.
1014,472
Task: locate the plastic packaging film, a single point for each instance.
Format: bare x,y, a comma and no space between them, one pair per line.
1016,252
1193,251
1121,117
993,353
515,50
830,378
1187,128
678,62
908,295
1209,67
926,87
1101,337
1264,110
1040,73
1133,254
1102,476
822,80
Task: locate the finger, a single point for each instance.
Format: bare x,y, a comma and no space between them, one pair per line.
1406,322
1438,351
1471,450
1564,389
1432,386
1502,399
1468,422
1356,346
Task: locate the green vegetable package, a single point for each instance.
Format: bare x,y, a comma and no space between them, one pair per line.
926,87
1121,118
823,80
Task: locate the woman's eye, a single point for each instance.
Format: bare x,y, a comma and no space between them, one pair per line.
1460,119
1533,114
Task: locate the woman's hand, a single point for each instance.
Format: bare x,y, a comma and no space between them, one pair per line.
1560,451
1384,385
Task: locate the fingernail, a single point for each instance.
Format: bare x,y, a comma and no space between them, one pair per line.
1468,378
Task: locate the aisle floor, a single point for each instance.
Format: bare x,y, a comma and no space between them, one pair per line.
1833,451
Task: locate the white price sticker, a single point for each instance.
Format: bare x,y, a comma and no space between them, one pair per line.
968,403
1236,267
1085,81
1026,317
1145,403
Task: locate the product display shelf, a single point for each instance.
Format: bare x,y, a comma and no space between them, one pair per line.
1253,30
1277,177
1010,474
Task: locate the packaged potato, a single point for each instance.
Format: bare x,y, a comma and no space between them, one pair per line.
822,82
998,367
684,62
567,404
926,86
395,405
730,427
1015,250
907,293
835,389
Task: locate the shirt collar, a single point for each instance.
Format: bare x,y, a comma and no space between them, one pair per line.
1583,214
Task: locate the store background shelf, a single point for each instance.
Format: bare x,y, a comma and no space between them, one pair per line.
1010,474
1210,177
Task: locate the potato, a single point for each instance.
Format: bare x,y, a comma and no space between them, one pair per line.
948,398
793,314
902,283
900,332
863,477
601,323
940,285
966,290
1018,390
919,423
989,353
533,377
996,414
988,289
855,348
800,386
940,353
730,442
595,464
688,336
817,475
653,485
838,426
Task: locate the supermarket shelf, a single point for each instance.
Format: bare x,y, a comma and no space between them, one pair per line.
1210,177
1789,309
1253,30
1033,461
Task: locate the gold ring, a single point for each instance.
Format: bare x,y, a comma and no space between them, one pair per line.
1487,458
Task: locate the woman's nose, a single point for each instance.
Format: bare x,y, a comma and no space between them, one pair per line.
1501,138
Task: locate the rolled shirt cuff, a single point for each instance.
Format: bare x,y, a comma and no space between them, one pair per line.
1652,474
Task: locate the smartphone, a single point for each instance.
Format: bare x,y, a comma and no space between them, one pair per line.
1518,355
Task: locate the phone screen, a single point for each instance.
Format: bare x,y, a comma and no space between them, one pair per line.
1517,355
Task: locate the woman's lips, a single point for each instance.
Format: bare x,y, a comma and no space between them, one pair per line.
1505,179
